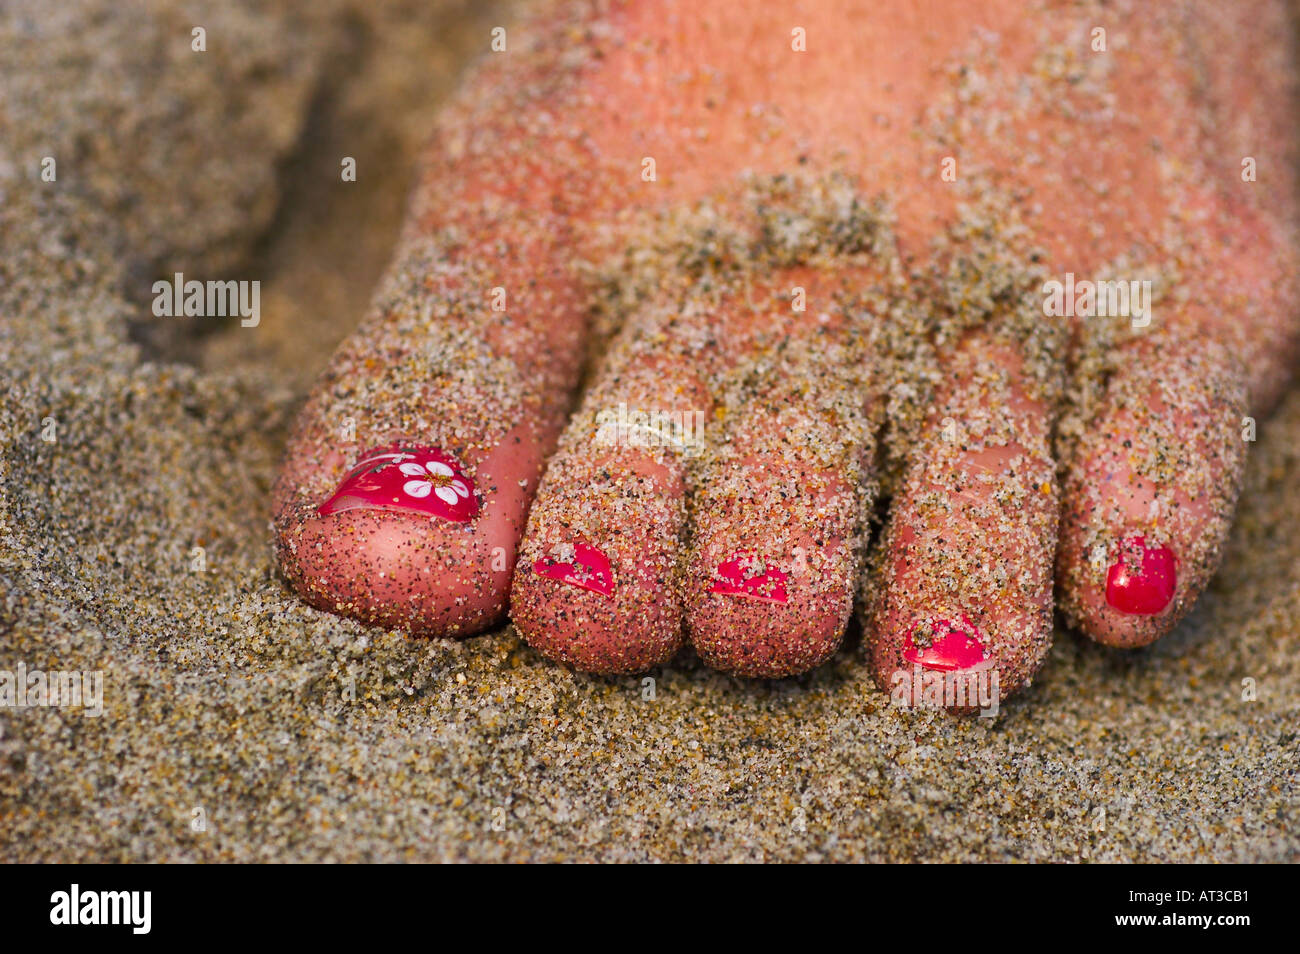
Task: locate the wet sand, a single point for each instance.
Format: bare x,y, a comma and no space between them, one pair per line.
297,735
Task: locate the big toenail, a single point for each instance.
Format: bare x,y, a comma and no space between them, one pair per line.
749,575
423,480
945,645
578,565
1141,582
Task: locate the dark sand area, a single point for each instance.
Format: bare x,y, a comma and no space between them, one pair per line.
136,542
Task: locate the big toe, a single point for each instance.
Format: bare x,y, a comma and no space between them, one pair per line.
412,537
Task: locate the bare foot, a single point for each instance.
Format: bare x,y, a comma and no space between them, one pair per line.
830,241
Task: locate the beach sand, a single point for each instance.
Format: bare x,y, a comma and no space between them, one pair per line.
241,725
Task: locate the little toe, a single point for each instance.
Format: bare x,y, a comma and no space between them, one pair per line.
1151,488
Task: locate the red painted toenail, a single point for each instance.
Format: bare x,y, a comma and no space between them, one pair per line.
748,574
422,480
578,565
945,645
1142,581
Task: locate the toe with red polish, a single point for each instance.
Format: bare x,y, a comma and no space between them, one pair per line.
1142,580
748,575
423,480
945,645
578,565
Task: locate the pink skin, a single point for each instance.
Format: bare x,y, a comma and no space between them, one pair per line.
437,364
1113,597
429,575
439,576
1205,419
792,628
806,563
791,513
1230,350
986,604
770,495
638,623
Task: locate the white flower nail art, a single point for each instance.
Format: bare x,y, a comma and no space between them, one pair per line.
434,477
393,478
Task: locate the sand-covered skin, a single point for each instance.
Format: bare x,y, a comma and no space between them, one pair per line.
301,735
787,412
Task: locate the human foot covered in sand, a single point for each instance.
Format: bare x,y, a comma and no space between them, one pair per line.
832,241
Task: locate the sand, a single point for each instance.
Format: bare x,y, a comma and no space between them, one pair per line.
242,725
